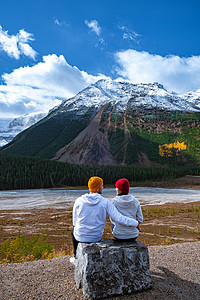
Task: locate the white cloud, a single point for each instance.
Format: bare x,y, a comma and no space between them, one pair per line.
9,44
42,86
129,34
27,50
179,74
94,26
24,36
57,22
16,45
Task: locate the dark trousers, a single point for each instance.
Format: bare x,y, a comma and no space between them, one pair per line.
125,240
74,242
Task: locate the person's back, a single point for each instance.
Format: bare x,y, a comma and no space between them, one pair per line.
91,220
128,206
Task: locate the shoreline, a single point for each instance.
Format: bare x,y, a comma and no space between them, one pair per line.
186,182
176,184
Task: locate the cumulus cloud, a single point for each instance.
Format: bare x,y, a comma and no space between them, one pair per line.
42,86
16,45
94,26
179,74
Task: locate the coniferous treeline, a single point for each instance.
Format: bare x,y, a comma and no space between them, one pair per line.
17,172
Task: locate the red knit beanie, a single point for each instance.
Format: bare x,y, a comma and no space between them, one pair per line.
123,185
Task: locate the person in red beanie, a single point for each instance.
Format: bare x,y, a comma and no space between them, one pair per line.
128,206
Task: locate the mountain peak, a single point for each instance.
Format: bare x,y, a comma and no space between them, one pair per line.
121,94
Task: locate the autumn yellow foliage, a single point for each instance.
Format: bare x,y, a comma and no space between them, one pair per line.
169,149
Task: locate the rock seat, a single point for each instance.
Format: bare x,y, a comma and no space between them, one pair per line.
111,268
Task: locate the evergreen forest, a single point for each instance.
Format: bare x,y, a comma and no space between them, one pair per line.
17,172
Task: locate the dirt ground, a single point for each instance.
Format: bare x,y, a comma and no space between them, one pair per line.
163,225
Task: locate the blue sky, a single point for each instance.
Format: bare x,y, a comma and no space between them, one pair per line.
50,50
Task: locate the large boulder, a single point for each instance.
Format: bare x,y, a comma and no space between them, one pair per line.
112,268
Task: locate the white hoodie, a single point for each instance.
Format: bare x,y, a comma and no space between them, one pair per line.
129,206
89,217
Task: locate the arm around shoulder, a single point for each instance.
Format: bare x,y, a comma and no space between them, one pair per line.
118,217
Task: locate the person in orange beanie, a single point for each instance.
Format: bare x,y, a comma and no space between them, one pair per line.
90,212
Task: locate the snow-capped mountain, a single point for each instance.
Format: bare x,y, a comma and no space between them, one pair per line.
122,93
9,128
117,123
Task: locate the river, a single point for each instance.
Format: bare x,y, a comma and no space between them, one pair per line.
47,198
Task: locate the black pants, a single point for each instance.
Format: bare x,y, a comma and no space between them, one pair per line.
125,240
74,242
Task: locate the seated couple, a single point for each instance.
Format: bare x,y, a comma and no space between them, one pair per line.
90,212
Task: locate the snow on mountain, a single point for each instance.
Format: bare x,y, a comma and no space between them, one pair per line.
4,135
9,128
152,95
193,98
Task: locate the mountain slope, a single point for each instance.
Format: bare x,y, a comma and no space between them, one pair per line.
117,123
90,146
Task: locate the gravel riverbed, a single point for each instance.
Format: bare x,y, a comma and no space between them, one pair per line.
175,272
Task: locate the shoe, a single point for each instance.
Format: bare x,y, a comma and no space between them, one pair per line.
72,260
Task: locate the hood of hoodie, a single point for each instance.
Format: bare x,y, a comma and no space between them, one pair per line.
92,199
124,200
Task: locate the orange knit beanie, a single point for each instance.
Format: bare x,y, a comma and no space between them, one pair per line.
94,183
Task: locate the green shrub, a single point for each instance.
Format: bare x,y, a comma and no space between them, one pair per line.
23,249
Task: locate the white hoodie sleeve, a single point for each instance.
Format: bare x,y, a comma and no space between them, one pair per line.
75,213
118,217
139,215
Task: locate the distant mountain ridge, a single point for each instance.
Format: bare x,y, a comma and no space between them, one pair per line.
117,123
9,129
